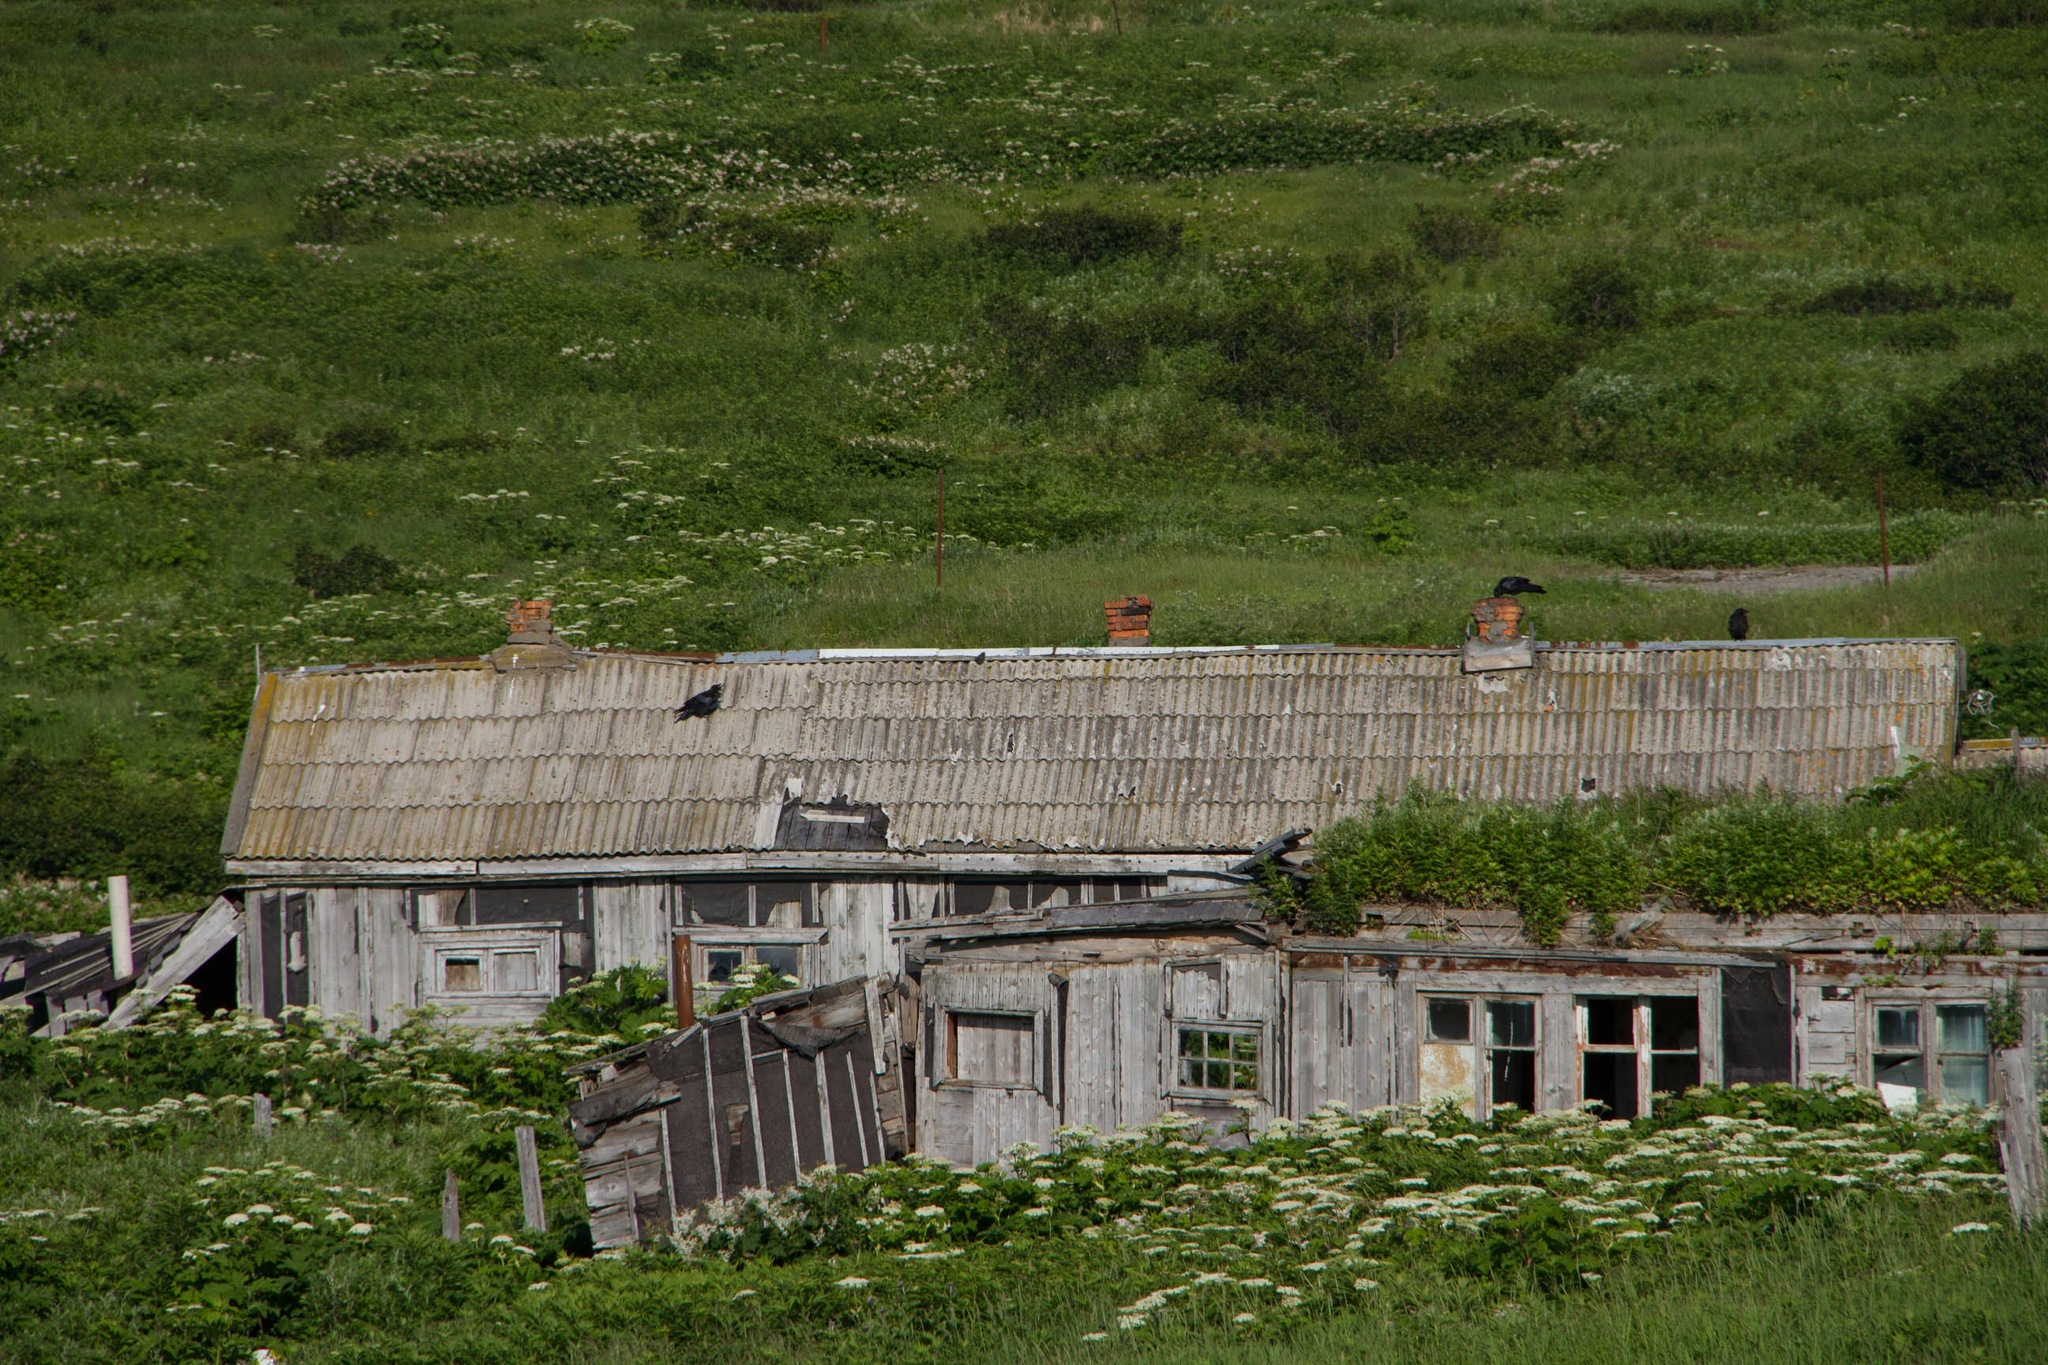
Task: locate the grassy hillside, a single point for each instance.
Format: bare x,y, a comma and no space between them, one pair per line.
330,328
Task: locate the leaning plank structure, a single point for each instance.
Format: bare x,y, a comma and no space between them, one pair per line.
746,1100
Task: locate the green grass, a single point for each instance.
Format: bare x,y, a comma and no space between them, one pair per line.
490,377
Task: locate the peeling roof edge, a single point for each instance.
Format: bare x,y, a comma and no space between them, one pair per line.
1052,652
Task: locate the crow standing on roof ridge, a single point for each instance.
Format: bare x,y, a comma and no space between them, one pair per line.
1738,624
703,704
1514,583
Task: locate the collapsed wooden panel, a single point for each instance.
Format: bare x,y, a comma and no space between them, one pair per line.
739,1102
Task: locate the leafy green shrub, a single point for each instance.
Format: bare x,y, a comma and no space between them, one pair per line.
751,981
357,569
2017,677
1756,16
1881,294
1055,361
359,439
1915,334
1987,430
623,1001
1519,362
1598,296
1448,236
1084,235
1693,545
81,816
95,405
1546,862
1996,13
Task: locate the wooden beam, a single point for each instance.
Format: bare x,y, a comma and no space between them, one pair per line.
2019,1137
533,1207
451,1209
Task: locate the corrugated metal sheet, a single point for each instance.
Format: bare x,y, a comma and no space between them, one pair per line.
1168,750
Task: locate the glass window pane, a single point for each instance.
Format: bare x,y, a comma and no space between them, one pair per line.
1960,1028
1191,1074
716,902
1511,1023
1898,1028
1244,1078
1450,1021
1244,1048
1610,1022
787,960
462,974
1190,1042
517,971
1675,1024
721,963
1910,1069
1966,1080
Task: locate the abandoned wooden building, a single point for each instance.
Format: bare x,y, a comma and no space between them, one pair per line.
1041,856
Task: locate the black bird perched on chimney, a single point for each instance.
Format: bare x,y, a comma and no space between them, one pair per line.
1515,584
1738,624
703,704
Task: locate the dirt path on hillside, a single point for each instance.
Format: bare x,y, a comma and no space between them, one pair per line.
1784,578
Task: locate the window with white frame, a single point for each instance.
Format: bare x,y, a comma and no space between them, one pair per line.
717,962
1632,1047
1940,1051
1216,1058
468,964
1478,1052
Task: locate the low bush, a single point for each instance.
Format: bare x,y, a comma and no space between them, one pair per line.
355,570
366,439
1721,20
83,816
1996,13
1084,235
1881,294
2016,676
1448,236
1986,431
1598,296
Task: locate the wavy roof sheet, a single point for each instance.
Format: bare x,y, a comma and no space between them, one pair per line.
1132,751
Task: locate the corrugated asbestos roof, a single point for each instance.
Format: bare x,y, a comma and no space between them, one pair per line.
1113,751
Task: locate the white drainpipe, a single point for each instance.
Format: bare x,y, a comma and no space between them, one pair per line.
123,936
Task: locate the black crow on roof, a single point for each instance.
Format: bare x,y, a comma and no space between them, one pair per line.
1738,624
1513,584
703,704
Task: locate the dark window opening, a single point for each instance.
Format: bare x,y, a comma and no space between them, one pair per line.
553,903
721,963
1610,1022
716,903
1514,1079
1450,1021
1675,1024
1674,1073
786,960
1610,1078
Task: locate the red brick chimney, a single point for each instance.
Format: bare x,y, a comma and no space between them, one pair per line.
533,642
1498,618
1130,620
531,622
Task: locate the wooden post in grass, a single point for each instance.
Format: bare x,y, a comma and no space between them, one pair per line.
1884,539
821,35
533,1212
451,1209
2019,1136
939,563
259,1115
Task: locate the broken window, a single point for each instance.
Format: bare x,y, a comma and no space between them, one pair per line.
462,974
1631,1047
748,905
492,903
1218,1057
1955,1069
1511,1054
718,962
987,1048
1467,1039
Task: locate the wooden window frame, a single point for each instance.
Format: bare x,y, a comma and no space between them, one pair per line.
1643,1046
949,1044
1243,1028
1930,1051
1482,1050
438,945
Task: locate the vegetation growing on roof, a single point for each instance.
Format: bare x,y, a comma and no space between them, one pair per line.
1926,842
